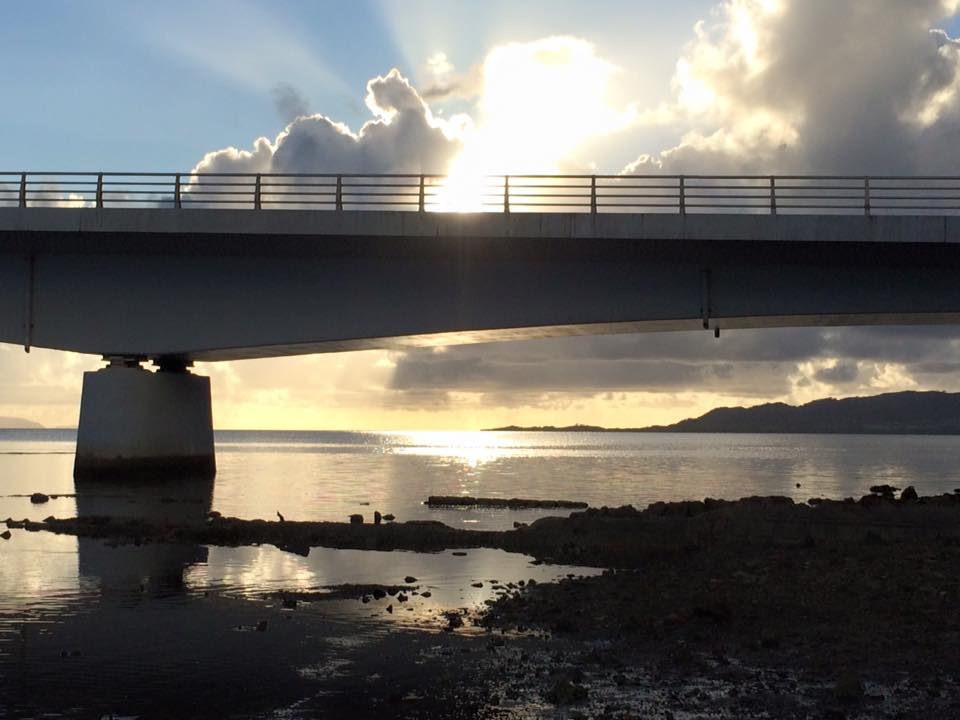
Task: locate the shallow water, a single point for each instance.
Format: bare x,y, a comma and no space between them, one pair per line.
82,623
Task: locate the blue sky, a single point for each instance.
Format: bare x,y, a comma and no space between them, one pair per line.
152,86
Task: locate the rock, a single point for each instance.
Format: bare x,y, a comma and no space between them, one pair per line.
458,553
289,603
390,609
517,525
565,692
453,620
401,598
476,584
389,517
280,517
409,579
426,594
356,519
38,498
379,594
377,517
884,490
213,515
848,688
5,535
365,599
262,626
909,494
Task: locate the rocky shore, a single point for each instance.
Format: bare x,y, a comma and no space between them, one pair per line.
759,607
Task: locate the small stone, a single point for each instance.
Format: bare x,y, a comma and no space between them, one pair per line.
356,519
377,517
5,535
38,497
262,626
409,579
909,494
389,517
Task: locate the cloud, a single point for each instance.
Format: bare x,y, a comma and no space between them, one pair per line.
857,87
288,102
403,136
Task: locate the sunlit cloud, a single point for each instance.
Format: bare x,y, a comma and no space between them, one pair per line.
540,102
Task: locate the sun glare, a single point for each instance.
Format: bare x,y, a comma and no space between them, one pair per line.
540,102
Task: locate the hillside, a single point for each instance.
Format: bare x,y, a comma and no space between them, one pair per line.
901,413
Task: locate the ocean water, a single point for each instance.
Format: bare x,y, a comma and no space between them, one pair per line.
79,613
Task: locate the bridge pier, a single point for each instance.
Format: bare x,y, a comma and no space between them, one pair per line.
140,424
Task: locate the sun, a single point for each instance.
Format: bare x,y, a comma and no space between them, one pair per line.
540,102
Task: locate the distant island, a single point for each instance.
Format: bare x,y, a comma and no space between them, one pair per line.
900,413
14,423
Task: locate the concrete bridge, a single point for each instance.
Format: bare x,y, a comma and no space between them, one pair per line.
172,285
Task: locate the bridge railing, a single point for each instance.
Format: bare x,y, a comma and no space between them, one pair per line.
683,194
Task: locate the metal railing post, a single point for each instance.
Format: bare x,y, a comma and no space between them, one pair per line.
593,194
256,194
683,196
100,190
422,205
506,193
177,203
23,190
866,196
773,195
339,200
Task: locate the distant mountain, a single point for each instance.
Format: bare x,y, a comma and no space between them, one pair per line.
902,413
550,428
12,423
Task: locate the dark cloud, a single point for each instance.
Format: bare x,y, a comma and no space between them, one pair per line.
842,372
288,102
744,363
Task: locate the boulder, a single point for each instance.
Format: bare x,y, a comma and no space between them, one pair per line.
909,494
356,519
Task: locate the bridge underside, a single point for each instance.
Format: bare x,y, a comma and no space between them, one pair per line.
177,286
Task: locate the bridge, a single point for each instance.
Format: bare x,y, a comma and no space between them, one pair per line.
178,268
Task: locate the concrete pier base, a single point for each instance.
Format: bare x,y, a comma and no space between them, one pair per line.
136,423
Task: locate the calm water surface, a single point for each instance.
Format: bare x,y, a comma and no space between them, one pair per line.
115,618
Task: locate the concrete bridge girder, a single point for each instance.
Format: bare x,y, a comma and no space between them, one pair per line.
184,285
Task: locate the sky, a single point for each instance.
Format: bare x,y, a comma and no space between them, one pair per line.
765,86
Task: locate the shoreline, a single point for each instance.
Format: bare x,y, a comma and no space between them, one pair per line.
759,607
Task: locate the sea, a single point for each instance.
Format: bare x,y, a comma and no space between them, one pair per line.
82,622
